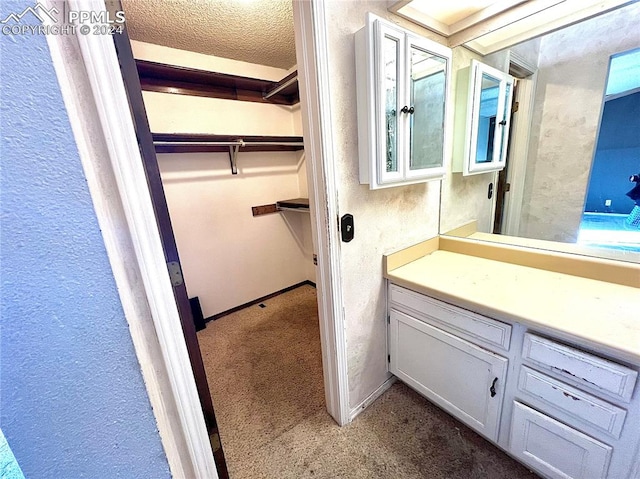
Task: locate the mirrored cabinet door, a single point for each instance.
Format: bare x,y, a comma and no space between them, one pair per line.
390,43
427,107
487,124
484,98
402,84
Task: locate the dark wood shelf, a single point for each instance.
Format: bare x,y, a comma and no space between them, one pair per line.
301,204
296,204
163,78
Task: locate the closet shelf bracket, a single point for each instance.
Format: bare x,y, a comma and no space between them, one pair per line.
233,156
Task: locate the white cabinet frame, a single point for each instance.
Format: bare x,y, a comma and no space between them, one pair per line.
371,99
471,104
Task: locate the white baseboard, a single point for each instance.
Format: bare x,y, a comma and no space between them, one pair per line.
372,397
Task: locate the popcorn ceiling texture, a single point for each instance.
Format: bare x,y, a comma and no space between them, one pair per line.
257,31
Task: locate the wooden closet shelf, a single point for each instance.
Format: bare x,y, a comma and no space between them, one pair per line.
296,204
164,78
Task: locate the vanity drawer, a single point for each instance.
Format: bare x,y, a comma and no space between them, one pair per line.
586,369
577,404
474,327
555,449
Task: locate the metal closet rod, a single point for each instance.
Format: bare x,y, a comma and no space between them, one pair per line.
279,88
239,143
234,147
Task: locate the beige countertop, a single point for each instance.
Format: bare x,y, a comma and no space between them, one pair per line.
598,314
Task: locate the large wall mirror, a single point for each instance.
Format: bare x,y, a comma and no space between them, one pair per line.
574,148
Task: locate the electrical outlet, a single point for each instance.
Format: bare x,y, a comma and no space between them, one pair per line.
607,202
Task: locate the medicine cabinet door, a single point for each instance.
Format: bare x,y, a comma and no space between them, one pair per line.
391,47
489,114
428,77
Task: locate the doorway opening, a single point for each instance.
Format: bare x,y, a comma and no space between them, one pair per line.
510,180
611,217
232,176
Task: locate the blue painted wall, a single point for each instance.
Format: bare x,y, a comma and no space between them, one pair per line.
73,401
617,156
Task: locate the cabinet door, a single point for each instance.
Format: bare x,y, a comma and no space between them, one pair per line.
555,449
463,379
390,94
424,113
505,119
402,88
488,119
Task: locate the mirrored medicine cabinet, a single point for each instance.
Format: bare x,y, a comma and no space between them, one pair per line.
403,83
482,111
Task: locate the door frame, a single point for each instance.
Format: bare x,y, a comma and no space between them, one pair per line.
92,88
519,145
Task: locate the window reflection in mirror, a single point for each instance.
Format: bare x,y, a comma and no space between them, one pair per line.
428,83
554,141
612,208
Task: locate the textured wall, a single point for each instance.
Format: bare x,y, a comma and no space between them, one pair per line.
385,220
73,399
228,256
571,80
464,198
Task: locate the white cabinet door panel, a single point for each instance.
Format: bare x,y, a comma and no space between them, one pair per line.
555,449
464,379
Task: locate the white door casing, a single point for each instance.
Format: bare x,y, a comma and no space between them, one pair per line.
94,95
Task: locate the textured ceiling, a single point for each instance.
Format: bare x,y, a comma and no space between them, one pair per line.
255,31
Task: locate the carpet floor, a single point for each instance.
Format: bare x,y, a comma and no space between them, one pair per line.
264,368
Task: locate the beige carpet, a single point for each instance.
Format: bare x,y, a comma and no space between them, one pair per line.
265,373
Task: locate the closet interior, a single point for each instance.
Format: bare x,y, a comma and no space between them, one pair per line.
228,139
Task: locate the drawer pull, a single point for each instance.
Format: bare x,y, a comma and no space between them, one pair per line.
492,389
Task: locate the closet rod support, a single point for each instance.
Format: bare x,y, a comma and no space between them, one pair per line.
233,157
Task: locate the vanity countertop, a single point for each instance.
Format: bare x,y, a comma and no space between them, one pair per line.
599,314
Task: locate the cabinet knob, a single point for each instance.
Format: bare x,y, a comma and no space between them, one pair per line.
406,109
492,389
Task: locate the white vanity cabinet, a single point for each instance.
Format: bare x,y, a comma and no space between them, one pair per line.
402,101
564,411
571,412
483,101
461,377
